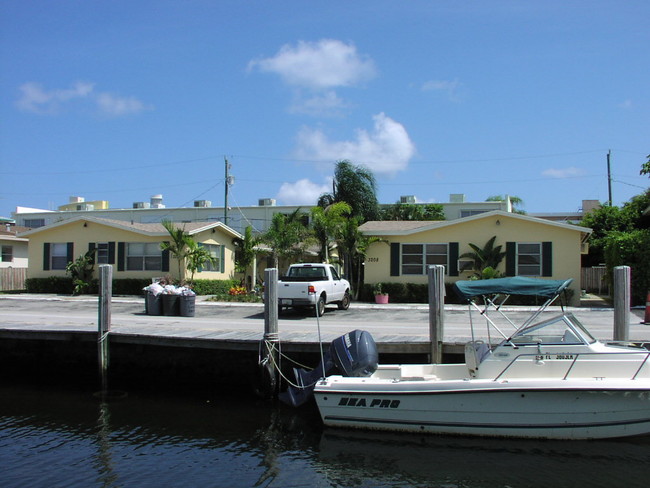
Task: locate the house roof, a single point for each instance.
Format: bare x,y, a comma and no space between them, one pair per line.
408,227
152,229
9,233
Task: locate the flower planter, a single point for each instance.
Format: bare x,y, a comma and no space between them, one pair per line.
381,299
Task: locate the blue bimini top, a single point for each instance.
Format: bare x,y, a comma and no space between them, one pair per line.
517,285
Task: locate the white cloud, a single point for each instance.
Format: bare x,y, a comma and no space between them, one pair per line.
116,106
320,65
38,100
387,149
450,87
570,172
302,192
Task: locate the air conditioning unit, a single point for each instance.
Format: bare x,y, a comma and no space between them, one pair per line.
141,204
85,206
457,198
202,203
266,202
407,199
465,265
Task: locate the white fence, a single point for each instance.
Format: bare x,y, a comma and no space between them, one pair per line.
593,280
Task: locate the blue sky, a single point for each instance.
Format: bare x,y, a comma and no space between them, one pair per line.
122,100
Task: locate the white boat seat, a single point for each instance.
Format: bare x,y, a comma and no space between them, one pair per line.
570,338
475,353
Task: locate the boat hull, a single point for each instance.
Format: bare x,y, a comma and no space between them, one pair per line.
582,410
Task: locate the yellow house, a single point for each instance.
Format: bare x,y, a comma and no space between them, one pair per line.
132,248
534,247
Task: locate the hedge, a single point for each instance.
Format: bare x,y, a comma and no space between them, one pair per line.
419,293
62,285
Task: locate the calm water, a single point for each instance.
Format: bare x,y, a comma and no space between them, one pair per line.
59,437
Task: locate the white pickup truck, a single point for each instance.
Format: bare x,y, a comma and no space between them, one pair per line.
313,285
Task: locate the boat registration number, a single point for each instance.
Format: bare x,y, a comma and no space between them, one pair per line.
548,357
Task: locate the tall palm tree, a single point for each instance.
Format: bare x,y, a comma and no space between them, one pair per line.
356,186
327,224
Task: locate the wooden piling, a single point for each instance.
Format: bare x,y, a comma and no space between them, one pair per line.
436,277
104,320
269,353
622,294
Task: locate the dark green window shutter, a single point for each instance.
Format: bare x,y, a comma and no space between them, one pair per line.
165,261
547,259
511,258
453,259
394,258
91,247
223,258
121,256
111,253
46,256
70,252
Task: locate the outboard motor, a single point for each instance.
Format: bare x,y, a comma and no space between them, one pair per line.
352,354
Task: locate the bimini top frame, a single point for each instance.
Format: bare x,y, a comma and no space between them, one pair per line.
490,290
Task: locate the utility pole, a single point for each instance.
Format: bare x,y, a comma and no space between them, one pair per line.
226,184
609,176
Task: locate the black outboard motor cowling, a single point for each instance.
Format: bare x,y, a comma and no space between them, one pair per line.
355,354
352,354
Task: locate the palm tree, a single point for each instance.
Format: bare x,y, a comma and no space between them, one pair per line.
487,257
245,250
178,246
353,246
326,226
285,236
515,201
197,256
356,186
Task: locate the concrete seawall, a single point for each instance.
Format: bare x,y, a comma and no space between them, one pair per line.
54,338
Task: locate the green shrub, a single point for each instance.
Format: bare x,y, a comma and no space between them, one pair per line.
130,286
631,249
52,284
213,287
419,293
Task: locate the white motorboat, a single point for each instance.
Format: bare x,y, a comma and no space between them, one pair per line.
548,379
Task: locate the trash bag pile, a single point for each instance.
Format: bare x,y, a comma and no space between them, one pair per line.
158,289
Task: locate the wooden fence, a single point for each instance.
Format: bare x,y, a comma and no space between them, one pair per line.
12,278
593,280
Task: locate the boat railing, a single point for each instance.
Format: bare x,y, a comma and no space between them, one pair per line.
575,358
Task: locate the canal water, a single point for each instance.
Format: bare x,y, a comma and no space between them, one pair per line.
63,437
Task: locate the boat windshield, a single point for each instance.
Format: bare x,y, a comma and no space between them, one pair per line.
563,329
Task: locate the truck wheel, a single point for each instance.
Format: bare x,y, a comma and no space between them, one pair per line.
345,303
320,306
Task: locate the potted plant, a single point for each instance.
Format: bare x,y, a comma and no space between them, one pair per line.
380,295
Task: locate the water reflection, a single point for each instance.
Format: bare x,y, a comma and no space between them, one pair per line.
70,438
